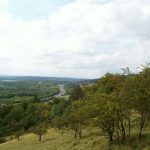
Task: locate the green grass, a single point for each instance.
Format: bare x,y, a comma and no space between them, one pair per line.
63,140
54,140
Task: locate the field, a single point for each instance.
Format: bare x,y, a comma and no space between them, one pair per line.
55,140
63,140
21,90
15,89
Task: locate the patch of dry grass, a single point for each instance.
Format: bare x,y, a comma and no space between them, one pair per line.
55,140
62,140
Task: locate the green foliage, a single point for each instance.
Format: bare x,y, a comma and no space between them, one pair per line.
59,122
36,99
19,90
16,113
22,117
74,120
58,107
115,100
77,93
118,105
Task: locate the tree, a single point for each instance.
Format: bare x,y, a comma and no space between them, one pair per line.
77,93
38,112
141,95
36,99
125,100
135,95
74,120
19,133
103,111
40,130
59,122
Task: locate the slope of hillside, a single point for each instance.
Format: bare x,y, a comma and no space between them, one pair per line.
53,140
63,140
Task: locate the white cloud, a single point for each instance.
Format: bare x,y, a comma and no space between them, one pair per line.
4,1
77,40
92,1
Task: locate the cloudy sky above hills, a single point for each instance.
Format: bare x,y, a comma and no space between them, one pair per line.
73,38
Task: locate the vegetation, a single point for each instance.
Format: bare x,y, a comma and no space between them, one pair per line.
117,104
40,130
116,108
19,133
63,140
21,90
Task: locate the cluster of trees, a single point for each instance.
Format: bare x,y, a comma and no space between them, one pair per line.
117,104
19,118
29,116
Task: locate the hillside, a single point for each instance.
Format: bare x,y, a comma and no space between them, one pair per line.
63,140
112,114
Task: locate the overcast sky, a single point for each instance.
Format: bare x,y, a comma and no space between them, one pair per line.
73,38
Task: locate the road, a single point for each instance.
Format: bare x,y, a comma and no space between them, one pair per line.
62,92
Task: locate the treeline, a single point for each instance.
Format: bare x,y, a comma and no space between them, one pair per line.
11,89
118,104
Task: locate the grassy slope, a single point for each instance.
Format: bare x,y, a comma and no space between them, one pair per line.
61,140
53,140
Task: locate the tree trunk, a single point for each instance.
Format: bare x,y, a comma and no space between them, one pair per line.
129,127
40,138
141,126
110,137
80,133
110,140
117,136
75,134
123,132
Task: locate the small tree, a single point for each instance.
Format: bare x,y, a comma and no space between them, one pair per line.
59,122
77,118
77,93
106,120
19,133
40,130
103,111
141,94
75,122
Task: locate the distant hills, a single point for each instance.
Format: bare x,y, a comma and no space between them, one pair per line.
40,78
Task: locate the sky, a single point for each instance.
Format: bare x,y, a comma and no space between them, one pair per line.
73,38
